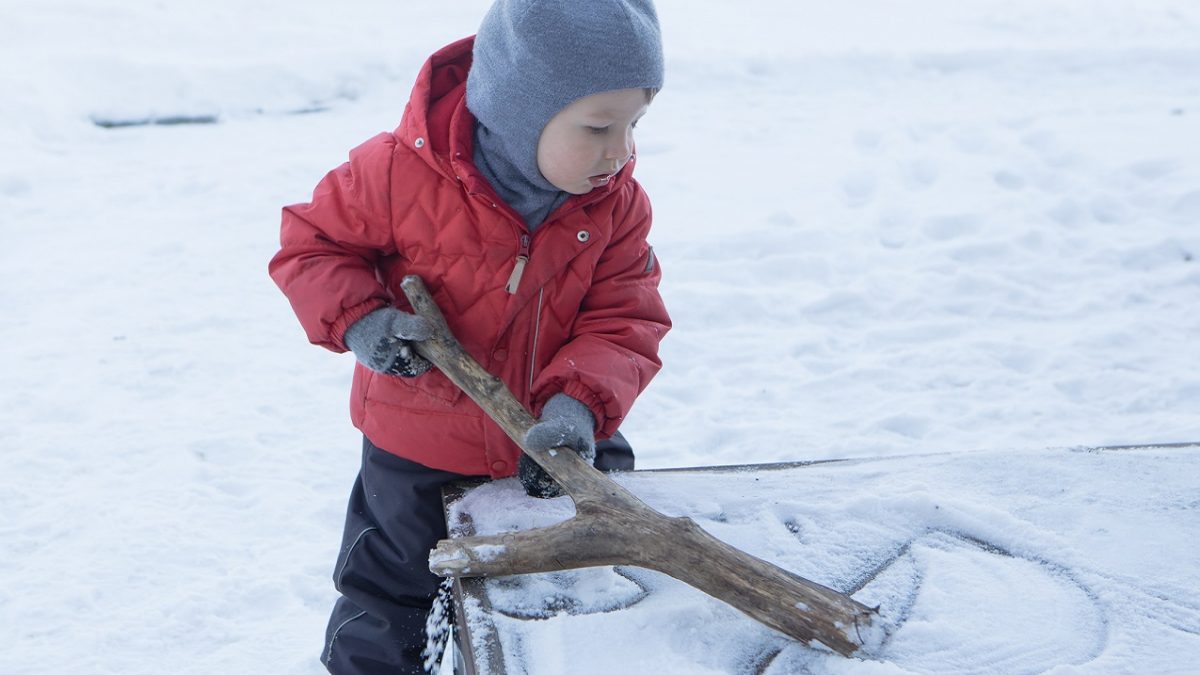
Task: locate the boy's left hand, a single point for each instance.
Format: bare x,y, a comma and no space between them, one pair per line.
381,342
565,422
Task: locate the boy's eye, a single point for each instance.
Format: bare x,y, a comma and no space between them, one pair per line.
597,130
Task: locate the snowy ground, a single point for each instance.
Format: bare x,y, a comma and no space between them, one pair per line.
886,229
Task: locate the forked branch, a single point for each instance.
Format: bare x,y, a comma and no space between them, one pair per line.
613,527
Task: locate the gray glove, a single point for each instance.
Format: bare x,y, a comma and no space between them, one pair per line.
380,341
565,422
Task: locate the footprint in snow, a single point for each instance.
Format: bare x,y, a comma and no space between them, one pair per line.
1186,209
952,226
1009,180
1153,169
918,174
859,187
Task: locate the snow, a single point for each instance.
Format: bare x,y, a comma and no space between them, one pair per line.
887,230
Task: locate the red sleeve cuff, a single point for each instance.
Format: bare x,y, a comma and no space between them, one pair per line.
606,423
337,331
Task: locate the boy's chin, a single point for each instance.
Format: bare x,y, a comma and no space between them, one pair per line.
577,189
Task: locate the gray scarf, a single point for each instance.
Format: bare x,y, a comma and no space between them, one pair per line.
528,192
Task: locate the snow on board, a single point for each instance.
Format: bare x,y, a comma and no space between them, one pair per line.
1071,560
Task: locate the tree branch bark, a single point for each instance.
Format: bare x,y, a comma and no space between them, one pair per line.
613,527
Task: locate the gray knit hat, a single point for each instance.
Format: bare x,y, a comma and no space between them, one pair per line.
532,58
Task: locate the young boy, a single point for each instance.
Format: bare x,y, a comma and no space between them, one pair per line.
507,188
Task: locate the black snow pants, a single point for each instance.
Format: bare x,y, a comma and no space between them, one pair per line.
393,520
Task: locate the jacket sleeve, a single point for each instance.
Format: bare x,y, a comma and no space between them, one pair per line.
329,246
613,351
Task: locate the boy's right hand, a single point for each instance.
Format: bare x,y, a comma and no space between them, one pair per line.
565,423
381,342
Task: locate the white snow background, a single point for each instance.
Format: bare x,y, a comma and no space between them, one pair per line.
887,229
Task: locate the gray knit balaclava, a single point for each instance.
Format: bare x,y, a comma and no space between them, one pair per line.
532,58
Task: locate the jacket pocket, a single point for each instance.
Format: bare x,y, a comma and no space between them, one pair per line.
347,553
431,391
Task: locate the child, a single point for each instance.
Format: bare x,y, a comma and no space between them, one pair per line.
507,188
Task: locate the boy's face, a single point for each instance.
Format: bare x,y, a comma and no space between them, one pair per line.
587,142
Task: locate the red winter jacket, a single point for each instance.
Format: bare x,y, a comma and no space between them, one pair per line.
586,317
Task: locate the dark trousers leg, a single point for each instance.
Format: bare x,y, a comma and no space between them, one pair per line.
614,454
394,519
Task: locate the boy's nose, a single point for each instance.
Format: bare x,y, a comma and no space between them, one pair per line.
620,147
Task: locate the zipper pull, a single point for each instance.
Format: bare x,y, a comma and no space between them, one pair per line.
514,279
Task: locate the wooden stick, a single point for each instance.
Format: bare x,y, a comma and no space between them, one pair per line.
613,527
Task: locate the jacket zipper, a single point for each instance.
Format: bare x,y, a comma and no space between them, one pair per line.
514,279
537,328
